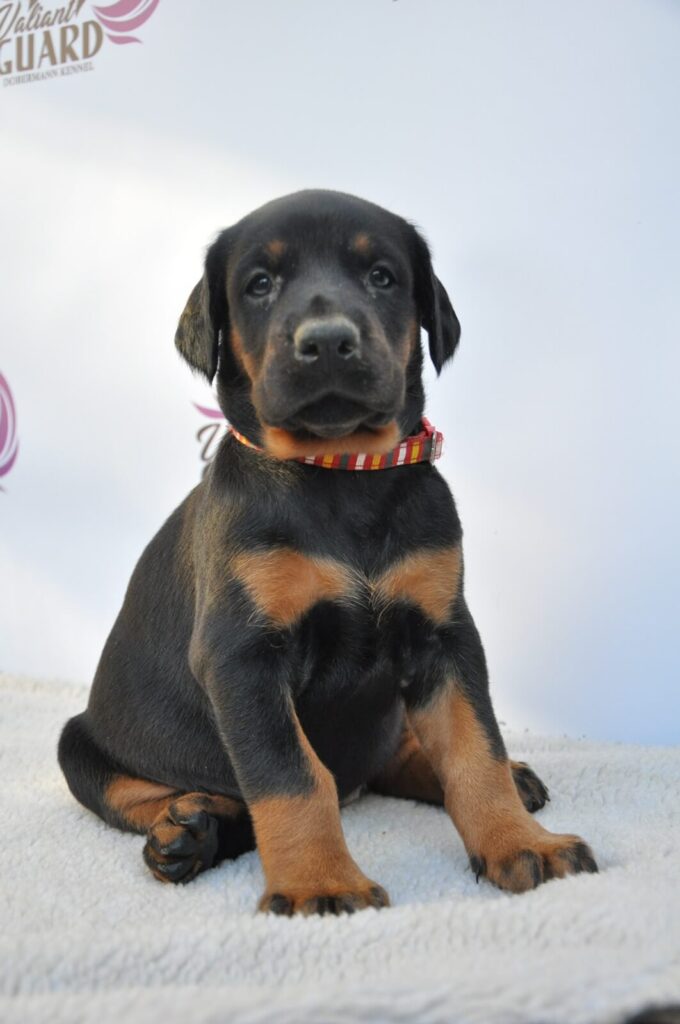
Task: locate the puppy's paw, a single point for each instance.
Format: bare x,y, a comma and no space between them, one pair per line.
518,870
181,842
324,901
532,791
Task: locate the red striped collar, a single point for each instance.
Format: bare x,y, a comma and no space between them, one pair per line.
425,446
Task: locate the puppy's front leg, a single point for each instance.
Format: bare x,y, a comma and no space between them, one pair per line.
304,855
291,795
455,723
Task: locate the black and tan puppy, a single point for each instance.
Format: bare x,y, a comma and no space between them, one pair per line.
295,633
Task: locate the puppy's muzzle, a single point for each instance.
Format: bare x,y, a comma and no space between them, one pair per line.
327,342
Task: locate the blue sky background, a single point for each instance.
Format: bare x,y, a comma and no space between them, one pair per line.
538,147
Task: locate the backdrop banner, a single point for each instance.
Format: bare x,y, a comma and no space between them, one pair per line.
535,145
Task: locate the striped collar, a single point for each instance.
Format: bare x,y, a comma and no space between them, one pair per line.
425,446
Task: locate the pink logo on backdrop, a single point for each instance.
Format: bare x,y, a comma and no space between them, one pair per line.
211,433
124,17
39,41
9,442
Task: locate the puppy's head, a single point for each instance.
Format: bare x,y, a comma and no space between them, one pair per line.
309,311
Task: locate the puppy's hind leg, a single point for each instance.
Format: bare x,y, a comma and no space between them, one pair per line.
194,832
186,832
410,775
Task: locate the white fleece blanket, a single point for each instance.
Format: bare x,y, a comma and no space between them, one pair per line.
86,934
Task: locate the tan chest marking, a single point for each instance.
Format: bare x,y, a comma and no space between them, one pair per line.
284,584
428,578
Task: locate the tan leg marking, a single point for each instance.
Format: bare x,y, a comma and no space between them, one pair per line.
141,803
284,583
303,850
502,839
409,774
137,801
429,578
191,803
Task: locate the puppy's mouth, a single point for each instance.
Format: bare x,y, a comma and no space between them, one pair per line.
332,425
334,416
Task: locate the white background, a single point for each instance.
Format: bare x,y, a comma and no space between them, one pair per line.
536,143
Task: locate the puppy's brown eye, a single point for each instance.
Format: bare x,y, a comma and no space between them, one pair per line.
259,285
381,277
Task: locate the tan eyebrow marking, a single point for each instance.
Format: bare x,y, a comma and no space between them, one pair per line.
361,243
276,248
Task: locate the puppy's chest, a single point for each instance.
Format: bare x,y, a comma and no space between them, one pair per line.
346,619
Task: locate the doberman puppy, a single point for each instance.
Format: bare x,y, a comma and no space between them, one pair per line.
297,632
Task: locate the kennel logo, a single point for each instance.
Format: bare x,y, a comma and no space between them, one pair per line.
9,442
211,433
38,42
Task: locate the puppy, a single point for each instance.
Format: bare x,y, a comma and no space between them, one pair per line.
297,630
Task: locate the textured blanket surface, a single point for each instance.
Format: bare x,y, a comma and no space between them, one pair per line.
88,935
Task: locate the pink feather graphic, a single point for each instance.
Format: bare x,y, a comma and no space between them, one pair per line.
210,433
214,414
124,16
9,442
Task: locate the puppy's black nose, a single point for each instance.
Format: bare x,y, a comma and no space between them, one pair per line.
330,339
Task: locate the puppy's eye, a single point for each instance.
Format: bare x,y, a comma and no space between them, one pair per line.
260,284
381,277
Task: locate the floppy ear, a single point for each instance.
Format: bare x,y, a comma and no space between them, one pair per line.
437,315
205,315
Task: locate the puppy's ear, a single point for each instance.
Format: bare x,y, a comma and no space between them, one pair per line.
437,315
205,316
